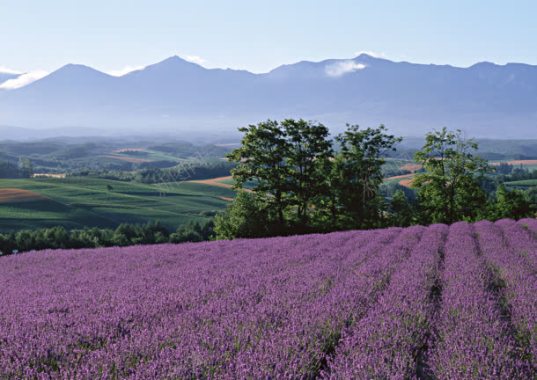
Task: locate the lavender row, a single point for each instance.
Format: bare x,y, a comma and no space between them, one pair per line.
517,282
531,225
93,296
108,310
312,332
342,305
277,337
386,343
521,239
472,339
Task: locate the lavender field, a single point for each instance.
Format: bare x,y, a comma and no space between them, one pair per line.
439,302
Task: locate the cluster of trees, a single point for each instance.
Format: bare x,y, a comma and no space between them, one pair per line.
23,169
123,235
187,170
456,185
302,183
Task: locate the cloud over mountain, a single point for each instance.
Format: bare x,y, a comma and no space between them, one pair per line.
340,68
23,80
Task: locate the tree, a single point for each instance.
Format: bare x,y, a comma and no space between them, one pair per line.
308,158
246,216
357,174
510,204
193,232
401,210
25,167
448,189
262,158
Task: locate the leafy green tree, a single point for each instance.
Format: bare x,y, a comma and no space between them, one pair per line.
357,174
512,204
448,189
25,167
402,212
262,158
308,158
193,232
246,216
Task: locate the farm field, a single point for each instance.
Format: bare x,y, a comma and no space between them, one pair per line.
441,302
522,183
225,182
140,155
527,164
76,202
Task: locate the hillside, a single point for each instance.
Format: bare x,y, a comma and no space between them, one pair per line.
486,100
78,202
428,302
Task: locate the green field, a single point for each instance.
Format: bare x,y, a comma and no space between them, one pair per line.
84,201
147,154
231,182
522,183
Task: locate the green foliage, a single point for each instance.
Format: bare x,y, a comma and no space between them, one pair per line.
262,157
124,235
25,167
357,174
308,157
401,210
246,216
449,190
300,184
11,170
514,204
193,232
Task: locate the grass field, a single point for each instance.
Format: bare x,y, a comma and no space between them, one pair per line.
82,201
225,182
139,155
526,164
522,183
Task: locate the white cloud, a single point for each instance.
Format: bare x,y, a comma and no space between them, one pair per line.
370,53
7,70
343,67
195,59
23,80
124,71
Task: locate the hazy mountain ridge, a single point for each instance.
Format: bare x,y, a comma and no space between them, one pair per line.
484,99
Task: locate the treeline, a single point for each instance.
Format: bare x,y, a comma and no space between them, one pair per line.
123,235
23,169
188,170
303,184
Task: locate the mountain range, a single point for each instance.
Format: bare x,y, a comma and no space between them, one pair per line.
485,100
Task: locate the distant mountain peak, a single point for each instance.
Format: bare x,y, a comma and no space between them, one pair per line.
77,69
175,93
171,64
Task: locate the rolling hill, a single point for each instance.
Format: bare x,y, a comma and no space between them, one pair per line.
486,100
78,202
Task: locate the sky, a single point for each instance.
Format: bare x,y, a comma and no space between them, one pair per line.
116,36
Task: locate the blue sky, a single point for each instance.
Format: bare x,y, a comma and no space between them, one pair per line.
113,35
